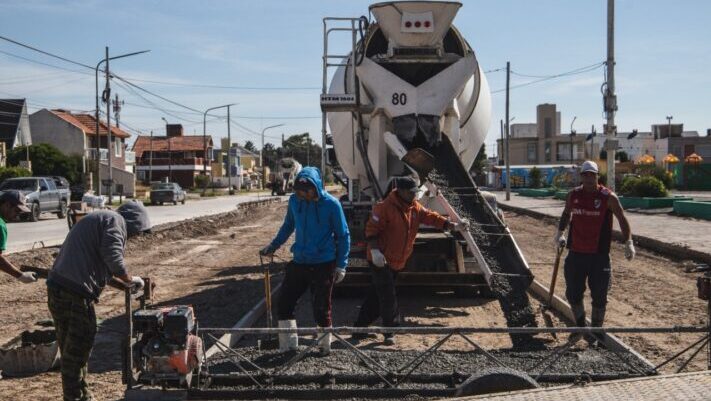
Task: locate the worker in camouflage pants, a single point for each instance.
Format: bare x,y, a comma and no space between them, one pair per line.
75,324
91,255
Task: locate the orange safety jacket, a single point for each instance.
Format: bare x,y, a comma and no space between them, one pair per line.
394,223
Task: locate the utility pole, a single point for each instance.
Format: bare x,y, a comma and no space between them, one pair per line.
506,147
610,99
229,155
108,127
117,109
572,134
501,152
150,161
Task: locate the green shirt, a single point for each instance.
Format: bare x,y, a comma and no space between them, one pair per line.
3,235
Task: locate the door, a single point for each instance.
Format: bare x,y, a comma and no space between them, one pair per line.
45,196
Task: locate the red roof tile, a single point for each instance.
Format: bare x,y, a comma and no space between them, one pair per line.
177,144
87,123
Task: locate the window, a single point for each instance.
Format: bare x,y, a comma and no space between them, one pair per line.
562,152
117,148
547,151
531,152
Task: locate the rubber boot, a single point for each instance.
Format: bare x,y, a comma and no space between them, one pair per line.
597,318
288,341
324,345
579,316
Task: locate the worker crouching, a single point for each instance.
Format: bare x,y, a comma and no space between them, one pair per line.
320,254
390,232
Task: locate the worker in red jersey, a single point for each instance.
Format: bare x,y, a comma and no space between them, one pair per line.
588,211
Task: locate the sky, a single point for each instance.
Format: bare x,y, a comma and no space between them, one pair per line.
269,54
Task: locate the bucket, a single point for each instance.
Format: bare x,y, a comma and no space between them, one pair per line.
30,353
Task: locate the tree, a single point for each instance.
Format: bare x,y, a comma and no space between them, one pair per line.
536,177
249,145
48,160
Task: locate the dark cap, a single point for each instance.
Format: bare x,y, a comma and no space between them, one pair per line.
407,183
15,198
303,184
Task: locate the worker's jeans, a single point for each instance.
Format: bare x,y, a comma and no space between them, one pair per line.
591,267
75,323
381,299
301,277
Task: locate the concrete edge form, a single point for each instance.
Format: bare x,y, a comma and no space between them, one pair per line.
247,320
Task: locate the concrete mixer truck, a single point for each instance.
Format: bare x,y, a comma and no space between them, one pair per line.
282,180
410,98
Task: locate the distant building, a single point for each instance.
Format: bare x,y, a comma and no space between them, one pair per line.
75,134
542,142
177,157
14,126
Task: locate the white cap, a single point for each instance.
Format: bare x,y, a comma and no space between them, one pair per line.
589,166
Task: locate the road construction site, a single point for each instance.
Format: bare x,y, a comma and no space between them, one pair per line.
212,264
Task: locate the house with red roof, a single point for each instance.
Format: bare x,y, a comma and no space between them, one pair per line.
177,157
75,134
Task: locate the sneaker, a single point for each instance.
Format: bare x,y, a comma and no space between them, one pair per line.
389,340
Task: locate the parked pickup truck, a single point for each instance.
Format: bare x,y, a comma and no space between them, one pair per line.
41,195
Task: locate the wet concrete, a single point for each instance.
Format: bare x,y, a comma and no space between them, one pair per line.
511,277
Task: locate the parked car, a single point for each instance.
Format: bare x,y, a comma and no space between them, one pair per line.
167,192
41,195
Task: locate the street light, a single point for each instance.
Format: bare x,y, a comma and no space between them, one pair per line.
261,154
229,143
669,118
108,117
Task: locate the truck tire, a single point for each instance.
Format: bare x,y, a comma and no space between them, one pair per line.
182,202
62,213
34,212
175,203
495,380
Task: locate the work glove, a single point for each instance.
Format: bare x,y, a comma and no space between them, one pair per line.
27,277
340,274
137,283
629,250
378,257
267,250
559,239
453,226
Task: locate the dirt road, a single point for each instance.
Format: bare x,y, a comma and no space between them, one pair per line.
212,263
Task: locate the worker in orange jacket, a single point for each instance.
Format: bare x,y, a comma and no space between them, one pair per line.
390,232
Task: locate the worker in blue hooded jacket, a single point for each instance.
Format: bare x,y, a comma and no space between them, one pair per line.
320,254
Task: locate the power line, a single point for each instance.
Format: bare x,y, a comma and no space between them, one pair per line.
577,71
593,66
46,53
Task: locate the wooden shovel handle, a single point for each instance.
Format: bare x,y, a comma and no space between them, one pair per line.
559,252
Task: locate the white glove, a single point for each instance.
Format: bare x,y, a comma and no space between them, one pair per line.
27,277
378,258
559,239
629,250
137,282
340,275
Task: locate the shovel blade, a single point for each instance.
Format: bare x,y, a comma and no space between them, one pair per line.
419,160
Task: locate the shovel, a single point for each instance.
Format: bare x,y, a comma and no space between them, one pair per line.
417,160
270,342
546,308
